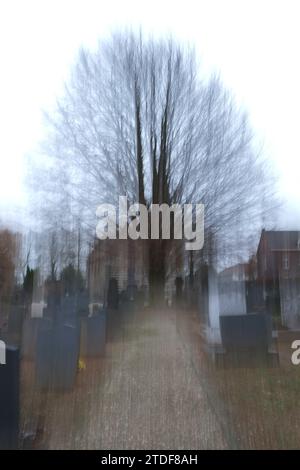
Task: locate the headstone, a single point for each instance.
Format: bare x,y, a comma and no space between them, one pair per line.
245,333
68,306
83,304
123,297
31,327
15,323
57,356
178,289
113,294
9,399
37,309
93,335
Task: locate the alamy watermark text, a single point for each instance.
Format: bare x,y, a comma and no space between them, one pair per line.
132,222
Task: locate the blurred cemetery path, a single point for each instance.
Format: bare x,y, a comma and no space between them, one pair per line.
156,388
144,394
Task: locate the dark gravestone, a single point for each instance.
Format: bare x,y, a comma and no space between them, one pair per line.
125,305
68,307
9,399
123,296
73,306
245,333
179,288
93,335
83,304
29,335
53,313
15,323
53,301
113,294
53,293
44,358
57,356
58,313
31,326
48,312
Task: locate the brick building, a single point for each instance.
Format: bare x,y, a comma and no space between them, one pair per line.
278,266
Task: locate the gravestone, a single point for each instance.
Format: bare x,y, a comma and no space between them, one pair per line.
53,312
245,332
37,309
57,355
113,294
247,341
9,399
178,289
30,330
68,306
15,323
93,335
83,304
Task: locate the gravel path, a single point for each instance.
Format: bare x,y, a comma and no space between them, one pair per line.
145,394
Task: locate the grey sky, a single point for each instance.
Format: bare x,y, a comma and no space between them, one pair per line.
254,44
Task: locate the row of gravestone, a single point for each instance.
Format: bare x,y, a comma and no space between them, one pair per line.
55,341
236,335
55,346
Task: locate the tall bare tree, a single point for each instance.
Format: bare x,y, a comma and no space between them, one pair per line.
137,119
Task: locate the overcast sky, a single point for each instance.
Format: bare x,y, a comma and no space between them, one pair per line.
254,44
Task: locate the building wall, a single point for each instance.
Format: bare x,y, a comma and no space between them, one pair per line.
290,302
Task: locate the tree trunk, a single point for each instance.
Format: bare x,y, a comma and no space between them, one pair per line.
157,270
